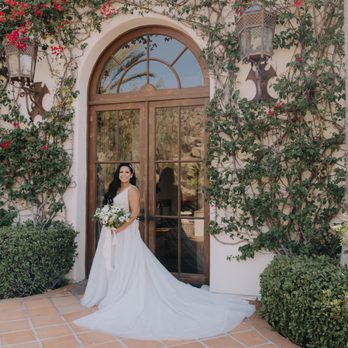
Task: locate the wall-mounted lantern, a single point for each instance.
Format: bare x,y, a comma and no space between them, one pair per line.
255,27
21,63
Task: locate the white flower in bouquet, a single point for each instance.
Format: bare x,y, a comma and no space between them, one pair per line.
111,216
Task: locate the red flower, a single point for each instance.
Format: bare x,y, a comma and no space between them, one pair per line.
11,3
21,9
238,11
270,112
279,105
57,5
16,125
298,3
44,147
38,13
17,39
64,23
2,17
57,50
299,59
5,144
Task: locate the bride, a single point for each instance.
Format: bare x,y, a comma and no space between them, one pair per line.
136,296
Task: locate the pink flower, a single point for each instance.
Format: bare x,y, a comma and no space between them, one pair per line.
270,112
298,3
44,147
107,10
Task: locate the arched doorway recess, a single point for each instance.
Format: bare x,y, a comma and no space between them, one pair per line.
147,98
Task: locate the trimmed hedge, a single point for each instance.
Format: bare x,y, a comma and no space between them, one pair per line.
306,300
34,258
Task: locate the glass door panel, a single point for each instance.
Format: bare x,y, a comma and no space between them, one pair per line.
192,246
192,133
167,243
177,170
167,189
116,137
167,134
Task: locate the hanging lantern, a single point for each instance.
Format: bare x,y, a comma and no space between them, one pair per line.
21,62
255,28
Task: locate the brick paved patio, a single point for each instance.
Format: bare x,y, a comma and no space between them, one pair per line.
45,321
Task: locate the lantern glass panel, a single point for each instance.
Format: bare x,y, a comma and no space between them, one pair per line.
26,65
268,40
255,40
244,44
13,67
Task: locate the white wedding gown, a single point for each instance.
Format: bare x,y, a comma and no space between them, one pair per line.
138,298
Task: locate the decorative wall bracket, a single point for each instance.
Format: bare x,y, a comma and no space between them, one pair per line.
34,93
260,73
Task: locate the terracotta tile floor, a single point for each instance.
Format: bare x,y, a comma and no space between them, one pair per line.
45,321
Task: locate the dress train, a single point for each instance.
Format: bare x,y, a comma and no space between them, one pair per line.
138,298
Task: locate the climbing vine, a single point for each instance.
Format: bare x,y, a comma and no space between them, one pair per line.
34,158
275,168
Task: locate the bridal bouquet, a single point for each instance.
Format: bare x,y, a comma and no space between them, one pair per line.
111,216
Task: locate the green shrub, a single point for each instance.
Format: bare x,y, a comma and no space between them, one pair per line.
306,300
7,217
34,258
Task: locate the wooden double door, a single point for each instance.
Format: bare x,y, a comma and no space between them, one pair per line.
166,143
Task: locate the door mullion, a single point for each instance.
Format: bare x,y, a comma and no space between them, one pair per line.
179,193
146,150
151,150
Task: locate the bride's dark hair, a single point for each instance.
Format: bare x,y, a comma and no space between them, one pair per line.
116,183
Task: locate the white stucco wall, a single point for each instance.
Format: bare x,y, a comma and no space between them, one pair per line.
232,276
225,276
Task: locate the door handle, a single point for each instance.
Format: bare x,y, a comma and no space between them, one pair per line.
141,217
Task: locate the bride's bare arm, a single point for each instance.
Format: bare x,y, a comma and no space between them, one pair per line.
134,205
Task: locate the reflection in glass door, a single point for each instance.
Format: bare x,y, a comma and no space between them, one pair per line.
116,137
177,231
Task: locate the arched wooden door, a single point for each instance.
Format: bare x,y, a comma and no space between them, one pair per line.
147,100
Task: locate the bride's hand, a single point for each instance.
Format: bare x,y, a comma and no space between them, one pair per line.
113,232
